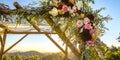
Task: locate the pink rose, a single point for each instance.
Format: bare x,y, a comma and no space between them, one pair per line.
88,26
65,8
89,43
80,23
86,20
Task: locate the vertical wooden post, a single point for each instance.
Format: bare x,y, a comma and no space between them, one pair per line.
1,56
66,50
3,42
1,47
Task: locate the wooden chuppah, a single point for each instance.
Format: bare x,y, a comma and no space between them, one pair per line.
58,31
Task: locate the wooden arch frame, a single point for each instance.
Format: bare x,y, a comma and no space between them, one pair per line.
58,31
6,31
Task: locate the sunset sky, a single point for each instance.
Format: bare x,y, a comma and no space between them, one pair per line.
43,44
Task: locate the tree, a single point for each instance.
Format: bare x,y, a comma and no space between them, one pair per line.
36,57
114,49
16,57
6,57
113,55
33,57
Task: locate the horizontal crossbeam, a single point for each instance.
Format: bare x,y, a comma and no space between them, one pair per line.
31,32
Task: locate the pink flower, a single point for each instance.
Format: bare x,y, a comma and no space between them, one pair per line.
80,23
88,26
92,31
65,8
89,43
86,20
74,8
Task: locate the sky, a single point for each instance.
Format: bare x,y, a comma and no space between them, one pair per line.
43,44
112,9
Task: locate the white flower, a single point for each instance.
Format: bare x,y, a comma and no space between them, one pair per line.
73,14
54,12
70,10
79,4
74,8
86,20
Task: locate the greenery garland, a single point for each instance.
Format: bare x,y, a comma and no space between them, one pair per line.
87,23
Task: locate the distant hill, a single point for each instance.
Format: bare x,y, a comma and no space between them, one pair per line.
43,56
28,53
102,48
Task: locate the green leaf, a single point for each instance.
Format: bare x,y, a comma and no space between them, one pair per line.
32,19
92,1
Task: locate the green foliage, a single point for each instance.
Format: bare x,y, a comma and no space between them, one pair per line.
34,57
6,57
54,56
110,55
90,53
17,57
102,46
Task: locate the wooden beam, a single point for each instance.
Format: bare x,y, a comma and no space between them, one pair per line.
1,47
34,25
10,32
17,5
6,11
3,26
4,37
3,41
15,44
66,49
63,37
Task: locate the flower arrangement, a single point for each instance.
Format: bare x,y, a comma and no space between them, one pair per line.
66,8
85,20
